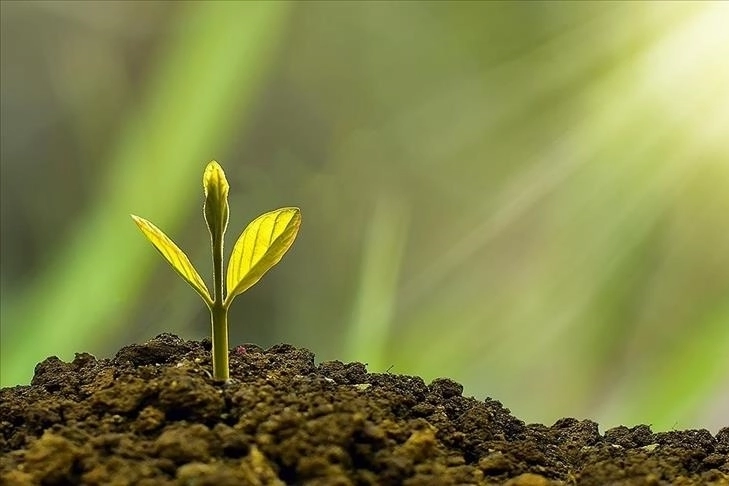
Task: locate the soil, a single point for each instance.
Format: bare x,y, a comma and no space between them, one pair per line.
153,415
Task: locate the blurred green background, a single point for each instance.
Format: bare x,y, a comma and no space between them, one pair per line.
529,198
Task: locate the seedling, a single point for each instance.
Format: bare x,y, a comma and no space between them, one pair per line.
261,246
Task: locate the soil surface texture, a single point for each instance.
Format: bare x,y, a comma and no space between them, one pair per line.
152,415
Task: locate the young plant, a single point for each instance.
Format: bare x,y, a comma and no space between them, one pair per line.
261,246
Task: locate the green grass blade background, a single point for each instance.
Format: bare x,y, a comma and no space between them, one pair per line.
527,197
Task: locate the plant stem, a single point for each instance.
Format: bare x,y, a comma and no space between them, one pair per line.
219,313
219,316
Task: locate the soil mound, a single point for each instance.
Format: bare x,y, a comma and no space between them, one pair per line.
152,415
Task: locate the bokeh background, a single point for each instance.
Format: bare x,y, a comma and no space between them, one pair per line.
529,198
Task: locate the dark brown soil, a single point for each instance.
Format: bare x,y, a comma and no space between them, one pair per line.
152,415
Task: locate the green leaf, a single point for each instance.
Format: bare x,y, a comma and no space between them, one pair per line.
174,256
216,208
261,246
